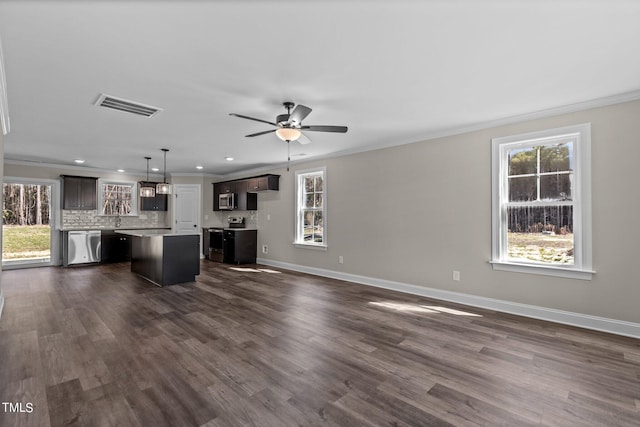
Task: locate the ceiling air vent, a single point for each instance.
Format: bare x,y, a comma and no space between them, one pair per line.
127,106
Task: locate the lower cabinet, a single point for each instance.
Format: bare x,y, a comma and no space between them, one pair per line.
115,247
240,246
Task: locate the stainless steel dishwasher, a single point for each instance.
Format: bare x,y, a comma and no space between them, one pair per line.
81,247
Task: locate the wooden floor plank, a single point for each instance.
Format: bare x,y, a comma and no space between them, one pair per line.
101,346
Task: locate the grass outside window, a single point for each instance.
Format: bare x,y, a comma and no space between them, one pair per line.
26,241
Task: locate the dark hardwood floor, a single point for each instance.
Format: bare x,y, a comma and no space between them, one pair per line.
100,346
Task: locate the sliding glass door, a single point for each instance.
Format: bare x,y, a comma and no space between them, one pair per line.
28,226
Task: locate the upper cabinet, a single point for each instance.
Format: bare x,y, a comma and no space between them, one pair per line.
79,192
245,201
221,188
226,187
263,183
157,203
244,191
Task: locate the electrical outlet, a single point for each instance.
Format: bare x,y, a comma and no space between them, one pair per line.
265,249
456,275
268,217
340,259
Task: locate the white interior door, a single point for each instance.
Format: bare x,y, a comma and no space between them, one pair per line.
186,208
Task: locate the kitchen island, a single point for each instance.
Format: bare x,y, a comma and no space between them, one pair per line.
163,257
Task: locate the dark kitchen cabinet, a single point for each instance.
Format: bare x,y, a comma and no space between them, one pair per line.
245,200
240,246
157,203
79,192
241,195
252,201
115,247
226,187
222,188
245,191
263,183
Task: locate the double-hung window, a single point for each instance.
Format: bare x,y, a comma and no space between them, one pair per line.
311,208
117,198
542,202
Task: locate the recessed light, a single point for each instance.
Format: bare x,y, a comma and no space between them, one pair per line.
198,167
155,169
121,170
228,159
79,161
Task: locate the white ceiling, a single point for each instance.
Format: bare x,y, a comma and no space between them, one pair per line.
393,71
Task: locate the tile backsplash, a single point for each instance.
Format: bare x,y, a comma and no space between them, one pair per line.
72,219
219,218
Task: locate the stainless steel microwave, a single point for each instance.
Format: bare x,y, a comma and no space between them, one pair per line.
227,201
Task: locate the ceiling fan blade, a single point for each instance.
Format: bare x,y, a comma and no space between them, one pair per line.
340,129
262,133
304,139
253,118
299,114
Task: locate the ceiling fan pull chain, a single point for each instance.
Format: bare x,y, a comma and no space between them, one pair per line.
288,154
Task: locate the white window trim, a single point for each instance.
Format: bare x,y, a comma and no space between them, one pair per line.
582,268
298,239
134,196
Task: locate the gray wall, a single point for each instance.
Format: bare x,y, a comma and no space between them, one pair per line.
414,213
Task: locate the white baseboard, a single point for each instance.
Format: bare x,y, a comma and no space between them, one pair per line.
586,321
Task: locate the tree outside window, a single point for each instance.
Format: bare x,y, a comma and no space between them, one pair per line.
117,198
311,207
542,202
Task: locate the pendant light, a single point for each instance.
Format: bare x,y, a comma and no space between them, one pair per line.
164,187
145,189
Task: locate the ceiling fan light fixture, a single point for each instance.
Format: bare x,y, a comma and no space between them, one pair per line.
288,134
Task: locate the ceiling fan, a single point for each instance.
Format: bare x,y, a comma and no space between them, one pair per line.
289,127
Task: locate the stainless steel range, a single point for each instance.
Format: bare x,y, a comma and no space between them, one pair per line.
236,222
214,238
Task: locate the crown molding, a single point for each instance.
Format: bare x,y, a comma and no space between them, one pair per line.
76,168
197,175
4,103
521,118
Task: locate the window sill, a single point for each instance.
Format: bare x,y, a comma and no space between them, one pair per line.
310,246
566,272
